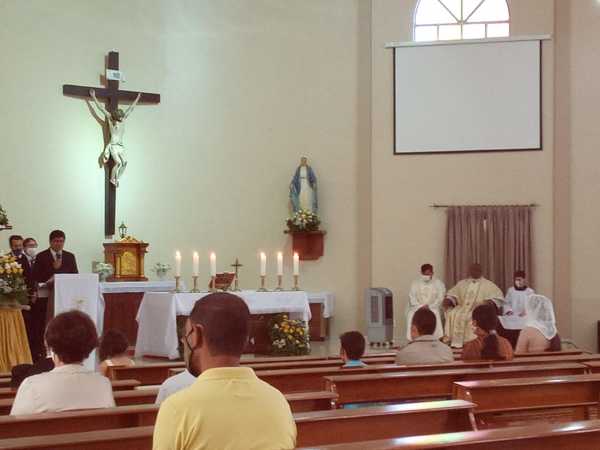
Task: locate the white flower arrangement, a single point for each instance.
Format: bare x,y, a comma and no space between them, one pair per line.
104,270
161,268
303,220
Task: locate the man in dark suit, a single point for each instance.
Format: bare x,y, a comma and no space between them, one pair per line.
52,261
35,318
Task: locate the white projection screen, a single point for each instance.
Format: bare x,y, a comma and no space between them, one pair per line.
468,96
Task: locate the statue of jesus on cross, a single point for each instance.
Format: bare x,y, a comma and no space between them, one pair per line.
114,148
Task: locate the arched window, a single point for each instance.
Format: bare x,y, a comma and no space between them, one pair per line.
460,19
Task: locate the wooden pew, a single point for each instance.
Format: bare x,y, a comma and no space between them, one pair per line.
311,379
122,398
495,398
117,385
332,427
77,421
566,436
313,428
399,386
593,366
138,438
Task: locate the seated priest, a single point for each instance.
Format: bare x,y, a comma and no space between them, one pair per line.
227,406
352,349
424,347
487,344
426,291
460,302
71,337
540,333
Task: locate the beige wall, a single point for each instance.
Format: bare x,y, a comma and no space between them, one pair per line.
406,230
578,138
247,88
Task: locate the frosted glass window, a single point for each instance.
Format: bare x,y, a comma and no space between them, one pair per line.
426,33
497,30
460,19
474,31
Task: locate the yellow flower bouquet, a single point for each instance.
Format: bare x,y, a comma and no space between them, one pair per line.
289,337
13,289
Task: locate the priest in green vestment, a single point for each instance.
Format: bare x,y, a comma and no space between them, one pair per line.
460,302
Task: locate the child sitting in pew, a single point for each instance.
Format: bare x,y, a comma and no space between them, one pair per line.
113,351
352,349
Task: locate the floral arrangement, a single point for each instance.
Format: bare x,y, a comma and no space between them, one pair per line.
13,290
303,220
288,337
104,270
3,217
161,269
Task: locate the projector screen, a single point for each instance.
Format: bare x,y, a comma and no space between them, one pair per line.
467,96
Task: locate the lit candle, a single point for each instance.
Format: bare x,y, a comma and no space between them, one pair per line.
279,263
213,264
177,263
263,264
296,264
196,264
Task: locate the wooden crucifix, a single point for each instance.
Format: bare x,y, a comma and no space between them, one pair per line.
112,95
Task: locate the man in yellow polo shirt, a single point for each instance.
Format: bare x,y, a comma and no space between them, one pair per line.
227,407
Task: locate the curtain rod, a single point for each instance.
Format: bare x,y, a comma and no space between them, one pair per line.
530,205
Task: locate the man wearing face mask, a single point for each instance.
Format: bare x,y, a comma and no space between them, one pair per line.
460,302
516,296
227,406
425,292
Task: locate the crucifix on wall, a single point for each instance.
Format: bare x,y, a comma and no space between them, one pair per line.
113,156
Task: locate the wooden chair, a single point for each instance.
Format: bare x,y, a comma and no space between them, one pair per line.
567,436
338,426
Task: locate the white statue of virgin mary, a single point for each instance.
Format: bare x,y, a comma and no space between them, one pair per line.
303,188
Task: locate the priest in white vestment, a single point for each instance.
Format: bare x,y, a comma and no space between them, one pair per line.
426,292
517,295
460,302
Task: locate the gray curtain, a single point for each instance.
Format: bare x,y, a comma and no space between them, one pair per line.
497,237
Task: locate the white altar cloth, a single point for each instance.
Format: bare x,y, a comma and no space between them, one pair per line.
120,287
157,315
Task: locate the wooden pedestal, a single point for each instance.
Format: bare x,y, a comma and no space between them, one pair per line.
308,244
318,325
127,258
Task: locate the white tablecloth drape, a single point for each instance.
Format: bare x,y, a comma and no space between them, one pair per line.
326,299
157,316
120,287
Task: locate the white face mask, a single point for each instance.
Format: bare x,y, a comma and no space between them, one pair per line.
426,277
31,251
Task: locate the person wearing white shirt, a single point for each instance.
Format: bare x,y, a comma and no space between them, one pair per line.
426,292
71,337
516,296
174,384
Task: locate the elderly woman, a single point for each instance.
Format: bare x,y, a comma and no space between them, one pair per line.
70,337
540,333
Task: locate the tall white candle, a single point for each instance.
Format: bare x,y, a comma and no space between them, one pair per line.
213,264
296,264
177,263
196,264
263,264
279,263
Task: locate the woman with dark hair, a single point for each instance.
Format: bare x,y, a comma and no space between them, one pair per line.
70,337
113,351
488,344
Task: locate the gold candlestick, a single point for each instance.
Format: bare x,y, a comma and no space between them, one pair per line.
279,282
195,279
262,284
177,283
296,287
212,284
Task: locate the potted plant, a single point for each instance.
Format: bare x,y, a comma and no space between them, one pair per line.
104,270
307,237
13,289
161,269
288,337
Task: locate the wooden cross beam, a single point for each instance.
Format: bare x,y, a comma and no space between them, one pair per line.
112,94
